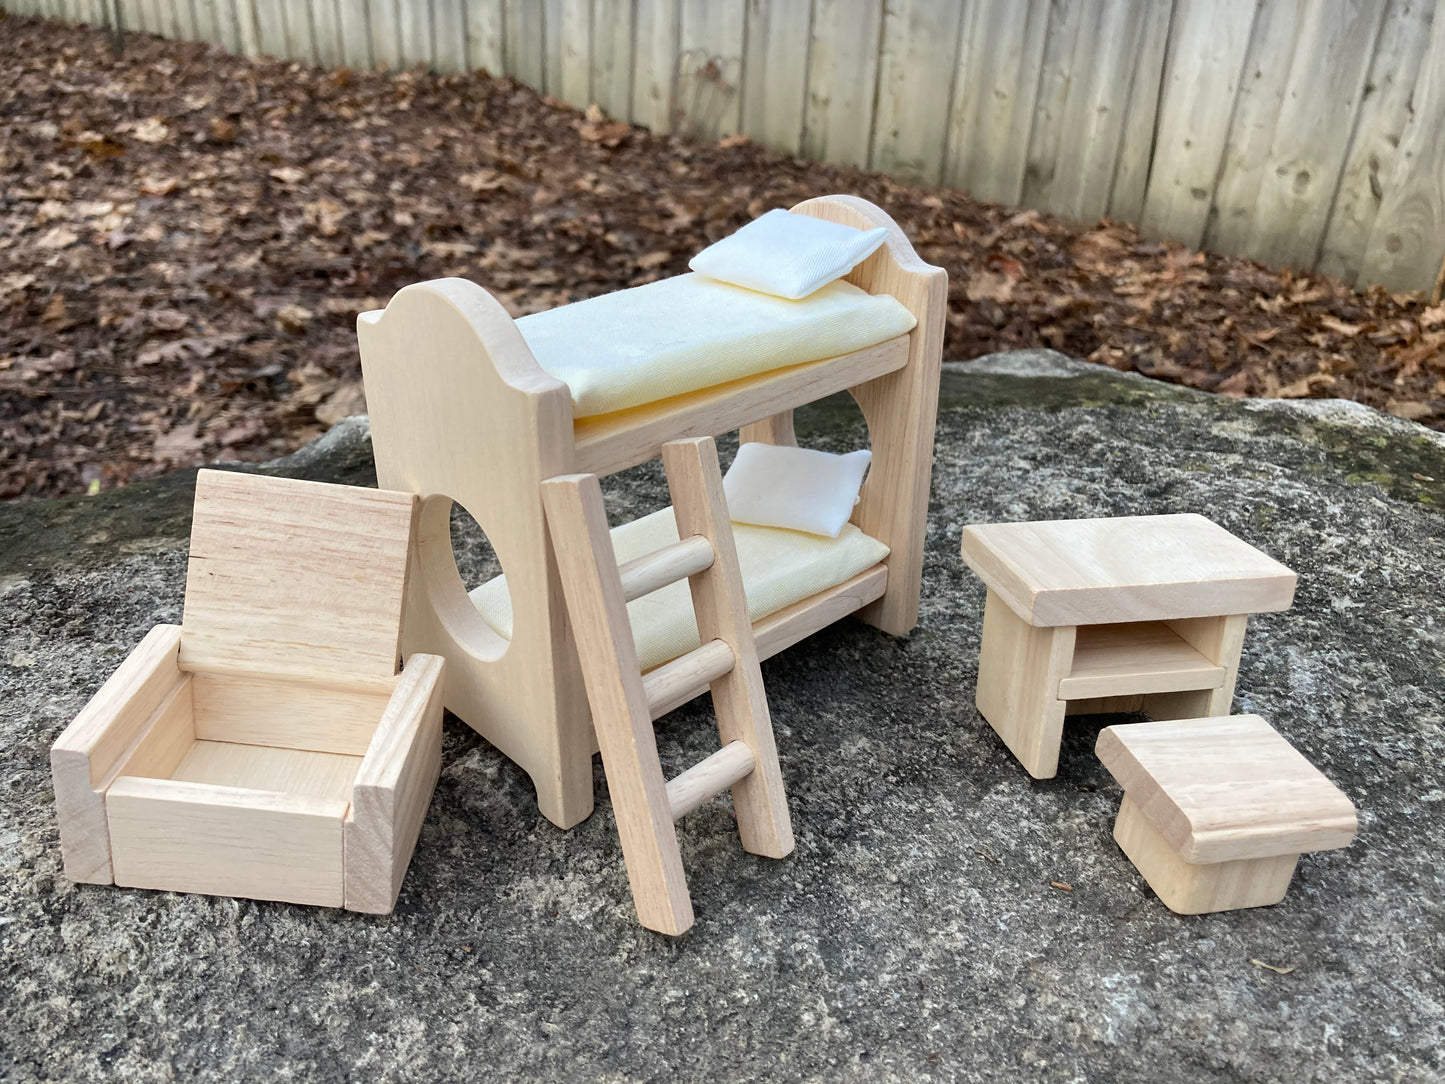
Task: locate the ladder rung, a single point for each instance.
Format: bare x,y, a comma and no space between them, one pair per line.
668,565
708,777
675,683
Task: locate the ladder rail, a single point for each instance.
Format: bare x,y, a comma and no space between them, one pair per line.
625,702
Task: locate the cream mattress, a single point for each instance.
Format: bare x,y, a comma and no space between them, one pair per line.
779,568
677,335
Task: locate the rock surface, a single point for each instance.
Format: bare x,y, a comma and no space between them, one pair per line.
917,933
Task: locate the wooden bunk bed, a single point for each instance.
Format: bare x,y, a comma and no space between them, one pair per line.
461,411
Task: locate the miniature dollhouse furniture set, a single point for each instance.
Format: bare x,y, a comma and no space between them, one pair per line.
270,747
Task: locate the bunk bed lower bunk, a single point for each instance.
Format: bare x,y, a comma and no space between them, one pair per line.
468,405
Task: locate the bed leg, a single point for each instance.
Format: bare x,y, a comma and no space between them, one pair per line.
774,429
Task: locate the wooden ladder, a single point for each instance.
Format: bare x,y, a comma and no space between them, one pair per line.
625,702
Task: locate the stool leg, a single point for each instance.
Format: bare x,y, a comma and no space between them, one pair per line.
1189,888
1019,670
1218,639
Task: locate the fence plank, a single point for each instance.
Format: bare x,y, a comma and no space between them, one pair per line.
184,14
416,40
1382,117
775,72
654,85
1077,179
449,35
1246,154
915,72
575,78
1407,240
1312,137
384,19
1136,142
355,34
526,42
486,36
612,28
270,27
250,35
709,69
1203,68
326,28
842,73
997,82
1056,75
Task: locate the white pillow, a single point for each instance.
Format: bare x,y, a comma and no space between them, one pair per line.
787,255
773,485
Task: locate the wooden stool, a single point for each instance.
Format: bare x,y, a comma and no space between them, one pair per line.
1216,812
1140,613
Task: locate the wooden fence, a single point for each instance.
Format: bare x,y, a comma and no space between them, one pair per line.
1308,133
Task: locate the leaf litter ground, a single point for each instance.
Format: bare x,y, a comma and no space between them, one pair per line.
186,238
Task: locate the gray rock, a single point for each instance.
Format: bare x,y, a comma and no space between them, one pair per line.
914,934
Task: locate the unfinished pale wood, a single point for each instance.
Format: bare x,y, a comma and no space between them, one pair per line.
624,703
393,788
619,704
169,736
740,702
668,565
274,564
294,714
263,767
1133,568
224,841
480,423
461,411
608,443
901,408
1137,657
1019,671
1221,641
674,683
1189,888
1226,788
89,752
797,622
709,778
774,429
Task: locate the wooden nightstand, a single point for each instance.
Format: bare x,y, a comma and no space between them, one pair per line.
1140,613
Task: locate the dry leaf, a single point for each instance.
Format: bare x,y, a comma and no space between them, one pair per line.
288,175
57,237
179,445
1272,967
325,216
151,130
1328,321
1062,886
346,400
293,318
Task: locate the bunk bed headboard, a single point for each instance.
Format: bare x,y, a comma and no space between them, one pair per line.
461,411
900,408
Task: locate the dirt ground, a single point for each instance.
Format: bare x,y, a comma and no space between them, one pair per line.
186,239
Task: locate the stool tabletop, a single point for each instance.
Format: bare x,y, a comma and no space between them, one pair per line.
1130,568
1226,788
